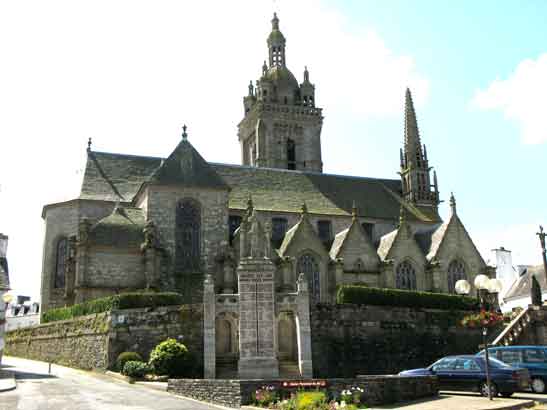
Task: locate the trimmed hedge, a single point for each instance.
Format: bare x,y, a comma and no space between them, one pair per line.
363,295
121,301
125,357
136,369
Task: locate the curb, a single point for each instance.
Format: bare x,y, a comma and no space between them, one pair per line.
7,382
525,405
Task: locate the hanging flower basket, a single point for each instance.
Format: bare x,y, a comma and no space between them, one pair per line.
483,319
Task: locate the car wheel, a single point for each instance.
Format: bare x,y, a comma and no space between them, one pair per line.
483,389
538,385
506,393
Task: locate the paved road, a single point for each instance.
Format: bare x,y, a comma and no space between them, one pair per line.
69,389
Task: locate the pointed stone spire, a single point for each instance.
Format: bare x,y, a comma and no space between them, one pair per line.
250,207
412,135
452,204
184,135
435,183
354,211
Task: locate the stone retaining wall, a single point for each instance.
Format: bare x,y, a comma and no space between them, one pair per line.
80,342
95,341
352,339
378,389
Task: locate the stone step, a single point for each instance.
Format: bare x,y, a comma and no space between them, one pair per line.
289,370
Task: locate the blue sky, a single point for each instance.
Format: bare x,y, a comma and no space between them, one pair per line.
130,73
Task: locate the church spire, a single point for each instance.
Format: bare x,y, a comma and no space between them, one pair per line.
276,44
415,178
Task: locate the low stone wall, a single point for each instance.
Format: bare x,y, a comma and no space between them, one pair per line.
80,342
95,341
378,390
349,339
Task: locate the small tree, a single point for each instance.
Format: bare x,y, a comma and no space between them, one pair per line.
170,358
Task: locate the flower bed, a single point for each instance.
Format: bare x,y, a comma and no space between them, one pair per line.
348,399
484,318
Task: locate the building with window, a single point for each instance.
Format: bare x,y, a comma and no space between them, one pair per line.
4,287
178,222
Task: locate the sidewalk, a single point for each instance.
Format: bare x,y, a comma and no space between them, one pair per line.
461,402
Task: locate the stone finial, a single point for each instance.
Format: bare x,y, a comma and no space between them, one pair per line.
402,216
184,134
83,231
250,206
275,22
251,89
264,68
89,144
304,209
354,211
306,74
452,203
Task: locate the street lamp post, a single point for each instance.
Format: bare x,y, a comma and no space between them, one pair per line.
487,289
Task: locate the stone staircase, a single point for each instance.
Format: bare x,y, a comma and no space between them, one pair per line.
289,370
511,334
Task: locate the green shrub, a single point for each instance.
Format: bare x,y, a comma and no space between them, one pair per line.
170,358
135,369
361,295
311,400
127,357
121,301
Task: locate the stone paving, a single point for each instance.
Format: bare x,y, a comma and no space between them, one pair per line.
69,389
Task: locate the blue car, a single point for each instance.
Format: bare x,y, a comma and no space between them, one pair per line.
468,372
532,358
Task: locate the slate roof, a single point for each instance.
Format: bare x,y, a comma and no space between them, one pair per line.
523,285
4,274
122,228
386,242
118,177
339,240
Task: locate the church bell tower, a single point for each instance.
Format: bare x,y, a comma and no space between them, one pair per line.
282,125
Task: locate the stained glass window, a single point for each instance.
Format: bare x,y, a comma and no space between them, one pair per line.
188,226
405,276
309,267
456,271
60,264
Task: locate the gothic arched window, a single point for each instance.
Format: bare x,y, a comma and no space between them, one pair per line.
60,262
456,271
309,267
405,276
187,236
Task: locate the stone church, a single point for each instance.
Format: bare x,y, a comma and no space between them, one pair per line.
259,244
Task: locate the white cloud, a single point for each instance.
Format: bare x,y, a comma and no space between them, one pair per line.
130,73
521,97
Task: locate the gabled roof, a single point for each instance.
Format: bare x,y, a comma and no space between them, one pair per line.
302,229
122,228
341,238
386,242
186,167
118,177
522,287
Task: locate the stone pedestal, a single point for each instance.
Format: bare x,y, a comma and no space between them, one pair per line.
209,313
257,358
303,327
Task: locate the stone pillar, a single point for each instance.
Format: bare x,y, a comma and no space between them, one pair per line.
257,358
209,313
303,329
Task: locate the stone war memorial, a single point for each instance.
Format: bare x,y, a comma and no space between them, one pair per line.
259,254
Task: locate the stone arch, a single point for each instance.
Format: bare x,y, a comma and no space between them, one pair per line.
226,340
287,345
405,275
456,270
308,263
